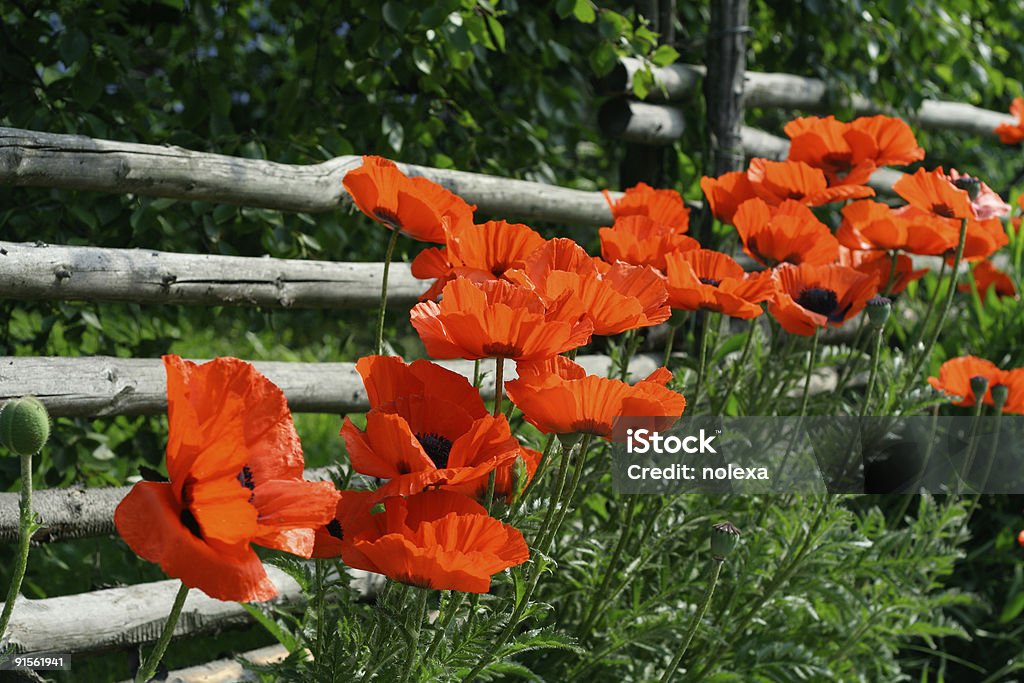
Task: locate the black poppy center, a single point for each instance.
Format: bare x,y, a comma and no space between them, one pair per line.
334,529
820,300
944,210
839,162
710,281
245,478
389,218
437,448
191,523
498,269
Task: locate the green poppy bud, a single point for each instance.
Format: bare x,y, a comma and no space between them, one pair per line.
24,425
879,308
1000,392
724,537
979,385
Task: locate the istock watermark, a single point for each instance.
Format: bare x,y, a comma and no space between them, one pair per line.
820,455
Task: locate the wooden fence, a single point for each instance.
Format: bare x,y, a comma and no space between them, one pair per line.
99,386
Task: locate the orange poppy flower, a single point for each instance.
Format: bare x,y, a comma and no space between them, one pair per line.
872,225
708,280
808,297
986,276
726,192
478,252
1013,133
955,380
983,239
497,319
623,298
777,181
788,233
879,265
428,427
663,206
895,144
413,206
235,478
934,192
557,396
846,155
640,241
434,539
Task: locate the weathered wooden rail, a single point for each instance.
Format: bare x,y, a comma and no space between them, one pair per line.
75,162
677,82
48,272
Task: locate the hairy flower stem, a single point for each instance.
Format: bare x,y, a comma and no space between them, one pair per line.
443,621
542,466
946,305
25,529
630,343
668,343
549,515
930,311
499,384
875,355
419,613
702,359
542,547
384,292
598,597
737,369
972,446
476,373
810,371
993,446
148,668
716,571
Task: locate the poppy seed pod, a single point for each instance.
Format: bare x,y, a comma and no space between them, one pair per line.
878,308
979,385
724,537
24,425
1000,392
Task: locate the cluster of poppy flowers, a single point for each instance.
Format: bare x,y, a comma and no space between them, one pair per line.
503,291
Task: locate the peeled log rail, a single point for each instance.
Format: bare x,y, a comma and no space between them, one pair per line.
79,512
40,271
96,386
127,616
786,91
76,162
228,670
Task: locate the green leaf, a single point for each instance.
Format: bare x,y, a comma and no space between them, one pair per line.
422,59
73,46
664,55
396,15
1014,606
584,11
603,59
290,642
497,32
565,7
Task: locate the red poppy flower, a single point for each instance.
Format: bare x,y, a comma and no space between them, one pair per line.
623,298
808,297
726,192
985,202
955,380
987,276
934,192
788,233
478,252
435,539
640,241
703,279
1013,133
413,206
777,181
894,141
428,427
983,239
557,396
872,225
846,155
879,265
235,467
497,319
663,206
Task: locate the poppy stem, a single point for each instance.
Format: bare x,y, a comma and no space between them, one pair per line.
26,528
702,358
630,343
549,515
476,374
384,292
993,446
946,305
601,594
875,355
148,668
738,368
499,384
810,371
716,571
565,503
919,334
542,466
668,343
419,616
